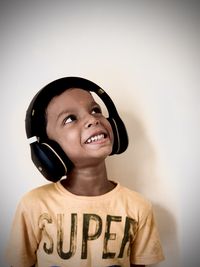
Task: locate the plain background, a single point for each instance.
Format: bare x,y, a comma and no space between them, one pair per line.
145,54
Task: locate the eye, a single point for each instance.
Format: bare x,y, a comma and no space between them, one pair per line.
96,110
69,119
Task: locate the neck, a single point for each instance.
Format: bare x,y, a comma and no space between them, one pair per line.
90,181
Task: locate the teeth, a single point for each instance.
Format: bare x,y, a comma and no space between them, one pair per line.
95,138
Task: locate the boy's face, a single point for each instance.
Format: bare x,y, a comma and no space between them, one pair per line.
75,122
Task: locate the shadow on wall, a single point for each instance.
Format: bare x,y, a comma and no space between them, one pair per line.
137,169
168,233
137,165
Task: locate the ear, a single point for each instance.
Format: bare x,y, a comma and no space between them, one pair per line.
49,158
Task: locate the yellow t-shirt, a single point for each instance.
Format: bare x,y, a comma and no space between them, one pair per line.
55,228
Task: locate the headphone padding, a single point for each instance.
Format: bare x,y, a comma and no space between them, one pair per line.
120,135
47,160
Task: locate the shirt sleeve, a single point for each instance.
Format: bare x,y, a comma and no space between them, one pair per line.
22,244
146,248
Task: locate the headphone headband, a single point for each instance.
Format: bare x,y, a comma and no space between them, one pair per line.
37,107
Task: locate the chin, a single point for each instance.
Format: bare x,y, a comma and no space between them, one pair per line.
103,154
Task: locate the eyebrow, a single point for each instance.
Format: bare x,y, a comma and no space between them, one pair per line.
71,111
63,112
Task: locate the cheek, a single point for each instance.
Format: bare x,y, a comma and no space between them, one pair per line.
70,143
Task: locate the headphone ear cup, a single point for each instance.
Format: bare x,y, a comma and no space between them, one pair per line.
47,159
120,143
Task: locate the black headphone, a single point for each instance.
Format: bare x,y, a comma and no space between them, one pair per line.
46,154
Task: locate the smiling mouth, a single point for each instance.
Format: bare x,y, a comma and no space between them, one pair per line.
96,138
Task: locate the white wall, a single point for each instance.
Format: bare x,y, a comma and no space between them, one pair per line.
146,56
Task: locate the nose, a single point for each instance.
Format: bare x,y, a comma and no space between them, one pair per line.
91,121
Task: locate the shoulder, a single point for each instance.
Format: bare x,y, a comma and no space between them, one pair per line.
135,196
38,194
135,201
41,189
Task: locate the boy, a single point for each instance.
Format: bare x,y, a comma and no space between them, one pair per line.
84,219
